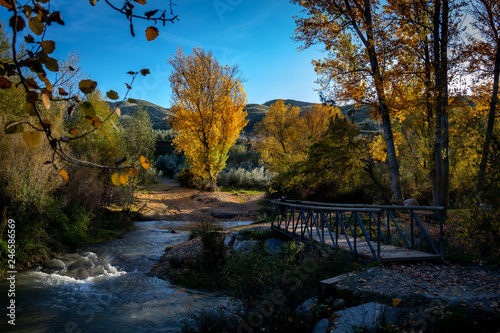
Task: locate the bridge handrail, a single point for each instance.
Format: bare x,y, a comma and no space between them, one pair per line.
428,208
331,208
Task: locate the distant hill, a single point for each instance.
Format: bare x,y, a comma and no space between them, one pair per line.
256,113
157,113
291,102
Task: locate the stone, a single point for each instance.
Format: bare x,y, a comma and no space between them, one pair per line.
366,316
273,246
305,310
54,264
321,326
392,315
229,240
338,304
411,202
220,214
245,246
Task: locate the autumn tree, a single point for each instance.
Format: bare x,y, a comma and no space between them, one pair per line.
207,112
284,135
31,71
360,50
483,52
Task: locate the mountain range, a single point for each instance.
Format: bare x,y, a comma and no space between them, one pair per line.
255,112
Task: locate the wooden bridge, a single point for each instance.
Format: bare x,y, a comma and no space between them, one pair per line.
381,233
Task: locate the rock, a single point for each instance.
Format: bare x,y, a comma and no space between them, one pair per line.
273,246
304,311
219,214
229,241
393,315
54,264
321,326
367,317
411,202
338,304
245,246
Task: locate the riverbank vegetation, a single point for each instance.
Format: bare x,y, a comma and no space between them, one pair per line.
52,214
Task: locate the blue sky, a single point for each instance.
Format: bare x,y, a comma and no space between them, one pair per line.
255,34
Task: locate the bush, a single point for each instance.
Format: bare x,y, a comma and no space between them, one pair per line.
476,231
171,165
213,247
258,178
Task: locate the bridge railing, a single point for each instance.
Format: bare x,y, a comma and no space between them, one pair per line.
391,225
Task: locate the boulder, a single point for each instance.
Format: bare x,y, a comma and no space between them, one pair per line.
321,326
229,241
366,317
338,304
223,215
305,310
411,202
245,246
273,246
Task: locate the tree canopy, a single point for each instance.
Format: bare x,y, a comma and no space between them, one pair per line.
208,111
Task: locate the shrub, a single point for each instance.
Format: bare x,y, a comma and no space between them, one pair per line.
170,165
476,230
213,247
257,178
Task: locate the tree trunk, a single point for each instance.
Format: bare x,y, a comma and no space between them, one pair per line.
489,129
441,141
392,158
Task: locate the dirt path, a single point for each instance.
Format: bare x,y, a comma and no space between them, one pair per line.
169,201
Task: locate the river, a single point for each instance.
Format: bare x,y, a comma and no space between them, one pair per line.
105,287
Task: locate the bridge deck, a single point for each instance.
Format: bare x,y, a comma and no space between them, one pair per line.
387,252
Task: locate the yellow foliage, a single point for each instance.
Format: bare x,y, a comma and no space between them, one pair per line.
208,111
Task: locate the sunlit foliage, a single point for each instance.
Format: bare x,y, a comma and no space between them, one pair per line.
208,111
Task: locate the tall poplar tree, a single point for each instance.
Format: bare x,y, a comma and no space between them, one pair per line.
208,111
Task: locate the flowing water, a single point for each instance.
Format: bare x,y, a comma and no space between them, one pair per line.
105,288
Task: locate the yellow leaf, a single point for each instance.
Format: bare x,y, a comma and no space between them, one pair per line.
29,108
48,46
152,33
64,174
73,131
48,85
132,172
36,26
32,138
142,2
63,92
118,111
290,319
87,86
116,179
123,178
145,163
46,98
396,301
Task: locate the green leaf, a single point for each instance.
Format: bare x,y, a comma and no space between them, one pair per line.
13,127
51,64
112,95
132,101
87,86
